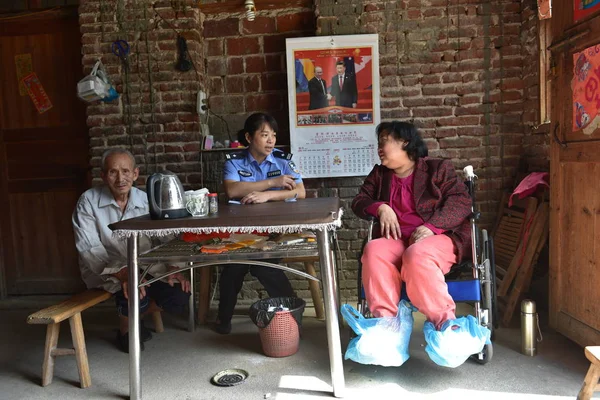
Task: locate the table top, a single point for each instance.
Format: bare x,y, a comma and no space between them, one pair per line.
314,213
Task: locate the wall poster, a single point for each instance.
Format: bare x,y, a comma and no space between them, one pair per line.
583,8
333,93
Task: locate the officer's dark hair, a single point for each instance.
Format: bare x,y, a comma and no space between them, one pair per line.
405,132
255,122
340,63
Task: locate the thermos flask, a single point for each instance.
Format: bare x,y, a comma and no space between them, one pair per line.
528,328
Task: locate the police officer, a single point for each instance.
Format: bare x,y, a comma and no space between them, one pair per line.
258,174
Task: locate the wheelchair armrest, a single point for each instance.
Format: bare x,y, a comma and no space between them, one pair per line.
372,221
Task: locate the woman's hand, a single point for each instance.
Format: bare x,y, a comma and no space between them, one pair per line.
179,277
255,198
286,182
388,220
419,234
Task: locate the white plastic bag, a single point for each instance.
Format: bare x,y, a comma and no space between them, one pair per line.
96,86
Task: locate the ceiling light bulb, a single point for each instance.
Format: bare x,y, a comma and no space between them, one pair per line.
250,10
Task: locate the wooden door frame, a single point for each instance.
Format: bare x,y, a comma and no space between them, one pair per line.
34,22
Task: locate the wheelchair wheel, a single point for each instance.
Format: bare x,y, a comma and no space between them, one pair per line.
486,354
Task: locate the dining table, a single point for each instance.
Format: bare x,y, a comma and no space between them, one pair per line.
319,215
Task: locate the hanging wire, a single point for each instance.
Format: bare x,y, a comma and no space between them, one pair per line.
222,119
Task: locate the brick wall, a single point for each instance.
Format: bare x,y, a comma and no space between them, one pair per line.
155,115
461,71
246,68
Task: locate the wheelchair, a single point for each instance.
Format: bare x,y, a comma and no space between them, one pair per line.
470,281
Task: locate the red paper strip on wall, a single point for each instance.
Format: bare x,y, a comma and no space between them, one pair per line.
586,89
37,93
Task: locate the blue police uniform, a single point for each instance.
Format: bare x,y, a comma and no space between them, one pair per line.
242,167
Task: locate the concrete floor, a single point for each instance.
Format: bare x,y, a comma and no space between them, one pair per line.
179,365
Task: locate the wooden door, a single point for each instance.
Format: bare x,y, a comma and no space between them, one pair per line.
575,189
43,157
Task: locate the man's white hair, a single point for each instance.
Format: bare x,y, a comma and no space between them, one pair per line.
111,152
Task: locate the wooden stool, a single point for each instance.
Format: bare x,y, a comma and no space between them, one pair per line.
590,383
71,309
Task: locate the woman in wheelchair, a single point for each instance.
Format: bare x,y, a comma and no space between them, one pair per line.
423,210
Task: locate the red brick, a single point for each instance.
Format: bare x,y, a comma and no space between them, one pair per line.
302,21
274,43
252,83
276,81
241,46
255,64
234,84
274,62
214,47
458,121
221,28
260,25
264,101
188,117
217,67
235,66
429,112
216,85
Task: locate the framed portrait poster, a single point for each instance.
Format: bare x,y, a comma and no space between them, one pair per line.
333,93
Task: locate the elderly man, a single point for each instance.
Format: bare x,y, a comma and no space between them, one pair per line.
317,89
103,259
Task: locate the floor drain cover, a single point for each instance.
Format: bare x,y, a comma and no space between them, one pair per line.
229,377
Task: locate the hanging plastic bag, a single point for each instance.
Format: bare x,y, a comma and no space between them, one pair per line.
96,86
380,341
456,341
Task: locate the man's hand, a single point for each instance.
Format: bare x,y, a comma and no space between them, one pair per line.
179,277
419,234
389,222
286,182
123,276
255,198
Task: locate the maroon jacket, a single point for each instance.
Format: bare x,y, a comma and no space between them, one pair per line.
441,198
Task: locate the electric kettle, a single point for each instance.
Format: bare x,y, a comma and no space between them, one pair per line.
165,196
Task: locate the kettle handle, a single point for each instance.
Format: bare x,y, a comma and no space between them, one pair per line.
152,180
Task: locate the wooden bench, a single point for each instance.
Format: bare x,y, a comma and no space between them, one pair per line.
590,383
71,309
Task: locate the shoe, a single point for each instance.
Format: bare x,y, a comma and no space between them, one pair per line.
123,342
145,333
223,328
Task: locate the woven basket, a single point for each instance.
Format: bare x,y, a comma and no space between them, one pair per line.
281,337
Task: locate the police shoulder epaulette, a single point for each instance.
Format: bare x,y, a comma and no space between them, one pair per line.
281,154
235,155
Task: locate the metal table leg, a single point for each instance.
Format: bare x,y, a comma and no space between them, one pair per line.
135,385
332,307
191,304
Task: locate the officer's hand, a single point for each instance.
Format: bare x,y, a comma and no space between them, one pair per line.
255,198
286,182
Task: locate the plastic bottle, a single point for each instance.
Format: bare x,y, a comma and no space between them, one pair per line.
213,204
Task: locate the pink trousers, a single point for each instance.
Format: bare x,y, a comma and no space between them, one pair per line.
422,266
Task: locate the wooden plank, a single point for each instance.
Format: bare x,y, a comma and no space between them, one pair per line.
539,236
69,307
80,350
52,332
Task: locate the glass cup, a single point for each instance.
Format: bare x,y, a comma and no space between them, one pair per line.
197,204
